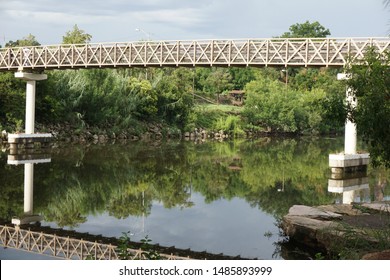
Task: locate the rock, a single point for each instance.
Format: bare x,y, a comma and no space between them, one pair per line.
324,227
379,206
315,213
146,136
307,231
384,255
343,209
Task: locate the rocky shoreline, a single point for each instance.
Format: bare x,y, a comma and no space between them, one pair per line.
341,231
153,132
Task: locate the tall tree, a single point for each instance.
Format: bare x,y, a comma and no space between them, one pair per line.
371,83
306,30
76,36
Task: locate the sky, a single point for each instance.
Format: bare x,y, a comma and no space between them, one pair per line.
133,20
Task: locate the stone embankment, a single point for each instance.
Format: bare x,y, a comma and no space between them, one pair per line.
329,227
153,132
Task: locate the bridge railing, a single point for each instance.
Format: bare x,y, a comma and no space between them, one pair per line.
299,52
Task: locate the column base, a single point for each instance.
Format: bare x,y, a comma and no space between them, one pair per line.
26,220
348,163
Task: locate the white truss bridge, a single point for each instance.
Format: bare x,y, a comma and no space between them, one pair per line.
276,52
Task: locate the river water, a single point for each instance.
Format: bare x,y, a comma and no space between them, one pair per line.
216,197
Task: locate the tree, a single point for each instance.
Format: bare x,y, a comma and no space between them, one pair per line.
29,40
219,81
307,30
371,84
76,36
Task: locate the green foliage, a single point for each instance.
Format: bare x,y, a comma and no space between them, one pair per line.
213,117
371,84
29,40
241,76
307,30
214,81
123,246
272,106
319,256
146,97
175,102
76,36
230,124
12,102
149,251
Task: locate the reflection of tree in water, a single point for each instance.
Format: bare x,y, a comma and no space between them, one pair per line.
11,189
126,180
134,200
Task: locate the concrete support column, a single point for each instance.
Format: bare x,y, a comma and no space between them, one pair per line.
350,127
28,188
30,107
31,79
350,141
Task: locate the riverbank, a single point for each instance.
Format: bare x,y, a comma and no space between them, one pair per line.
68,133
357,231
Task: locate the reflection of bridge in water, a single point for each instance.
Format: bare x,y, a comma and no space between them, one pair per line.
67,247
64,244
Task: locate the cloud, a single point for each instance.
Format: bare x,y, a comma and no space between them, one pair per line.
59,18
180,17
186,19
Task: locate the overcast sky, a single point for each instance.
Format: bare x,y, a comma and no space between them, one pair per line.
118,20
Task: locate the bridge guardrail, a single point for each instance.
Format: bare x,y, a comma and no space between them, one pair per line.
292,52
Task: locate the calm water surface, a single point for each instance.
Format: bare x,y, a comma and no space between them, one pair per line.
215,197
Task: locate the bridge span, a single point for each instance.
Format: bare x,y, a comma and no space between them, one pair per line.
277,52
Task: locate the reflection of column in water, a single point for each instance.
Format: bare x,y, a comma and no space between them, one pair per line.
359,195
354,189
348,197
28,160
28,188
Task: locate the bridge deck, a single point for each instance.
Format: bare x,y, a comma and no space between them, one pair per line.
303,52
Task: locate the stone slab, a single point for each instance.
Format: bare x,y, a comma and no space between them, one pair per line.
26,220
378,206
345,160
23,138
307,211
30,76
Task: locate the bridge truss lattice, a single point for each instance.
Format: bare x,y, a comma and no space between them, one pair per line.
303,52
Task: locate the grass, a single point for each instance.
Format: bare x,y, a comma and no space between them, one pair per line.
354,241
